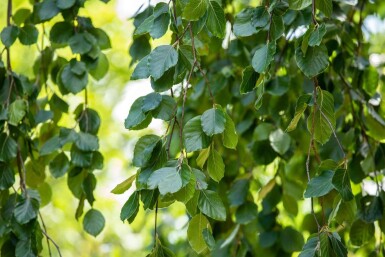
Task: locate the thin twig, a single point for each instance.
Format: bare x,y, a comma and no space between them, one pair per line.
156,221
21,169
45,230
9,67
313,13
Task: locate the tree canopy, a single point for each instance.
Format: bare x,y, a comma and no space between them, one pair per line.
274,139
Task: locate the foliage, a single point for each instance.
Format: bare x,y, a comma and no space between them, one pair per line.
270,108
243,77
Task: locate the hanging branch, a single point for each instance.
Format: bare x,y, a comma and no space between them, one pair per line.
8,51
49,238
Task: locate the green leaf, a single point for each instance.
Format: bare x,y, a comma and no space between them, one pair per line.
93,222
123,186
143,150
131,207
28,34
7,177
242,25
325,6
167,180
213,121
215,166
211,204
8,148
361,232
277,27
311,247
187,191
209,239
80,158
249,80
216,22
323,118
238,192
136,116
65,4
81,43
195,9
151,101
17,111
299,4
21,15
202,157
325,246
166,108
300,108
9,34
74,76
195,232
263,56
341,183
161,20
89,121
320,185
100,70
193,136
61,32
295,238
59,165
279,141
338,247
161,59
26,210
314,62
260,17
317,35
47,9
51,145
160,251
24,248
142,69
87,142
230,137
246,213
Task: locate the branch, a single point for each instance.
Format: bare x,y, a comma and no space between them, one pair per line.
49,238
313,13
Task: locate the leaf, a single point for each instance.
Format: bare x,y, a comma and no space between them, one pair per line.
317,35
82,43
93,222
8,148
361,232
166,108
279,141
300,108
238,192
130,208
267,188
211,204
246,213
136,118
209,239
195,9
160,251
101,68
26,210
263,56
28,34
193,136
9,34
324,119
7,177
202,157
314,62
80,158
289,234
277,27
215,166
230,137
242,25
325,6
161,59
143,150
123,186
216,22
249,80
311,247
89,121
59,165
195,232
320,185
17,111
61,32
46,10
338,247
185,194
142,69
65,4
213,121
325,247
151,101
341,183
260,17
87,142
161,20
74,76
299,4
167,180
